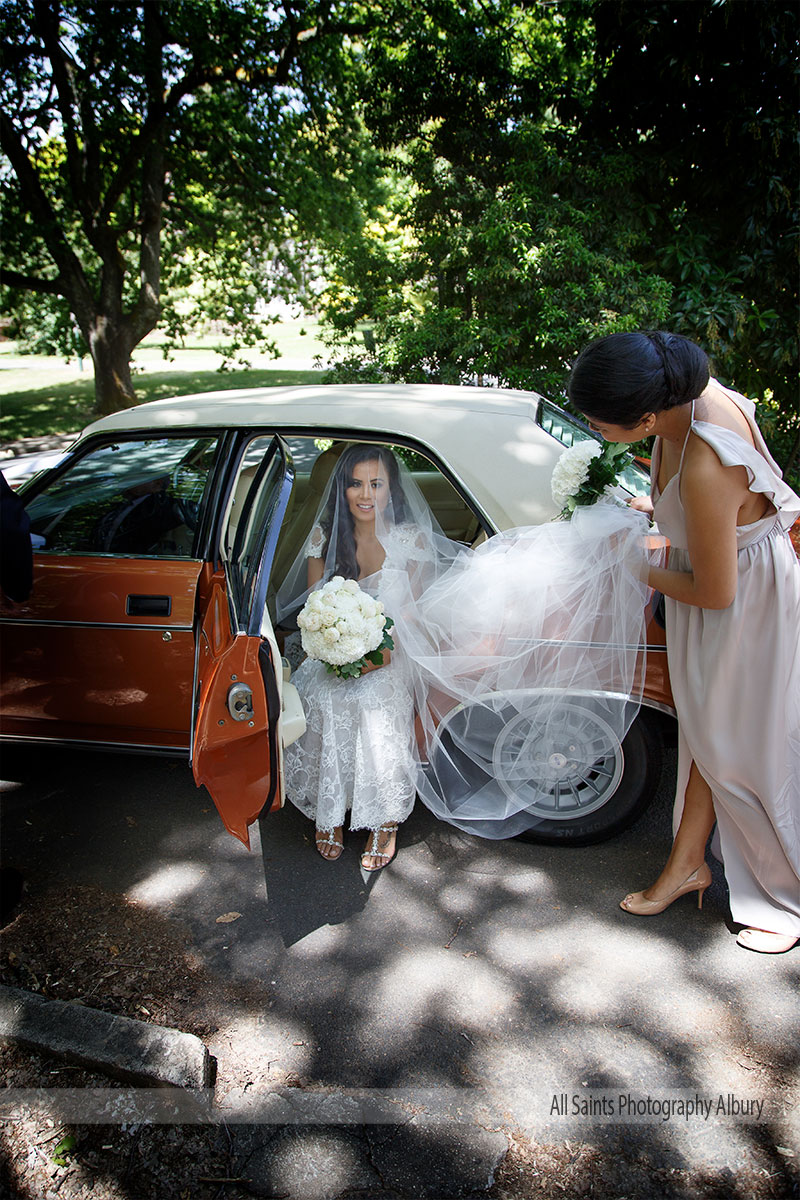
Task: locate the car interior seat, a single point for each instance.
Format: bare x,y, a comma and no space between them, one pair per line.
297,526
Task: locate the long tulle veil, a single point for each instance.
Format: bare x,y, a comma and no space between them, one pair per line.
525,655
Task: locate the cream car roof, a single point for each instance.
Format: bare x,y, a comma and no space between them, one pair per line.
487,437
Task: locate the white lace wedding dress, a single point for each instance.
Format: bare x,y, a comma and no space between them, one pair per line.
357,753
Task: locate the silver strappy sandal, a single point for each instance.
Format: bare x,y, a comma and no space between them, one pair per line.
327,837
373,851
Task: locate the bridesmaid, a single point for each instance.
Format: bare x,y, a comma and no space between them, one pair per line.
732,589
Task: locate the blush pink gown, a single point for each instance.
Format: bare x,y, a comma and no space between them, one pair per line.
736,680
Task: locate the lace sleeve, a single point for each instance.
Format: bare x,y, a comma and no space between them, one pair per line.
410,543
315,546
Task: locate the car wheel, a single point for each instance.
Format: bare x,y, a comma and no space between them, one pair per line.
585,788
637,762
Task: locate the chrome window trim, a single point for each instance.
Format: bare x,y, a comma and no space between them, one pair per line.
46,624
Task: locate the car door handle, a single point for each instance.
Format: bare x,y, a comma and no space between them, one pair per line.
149,606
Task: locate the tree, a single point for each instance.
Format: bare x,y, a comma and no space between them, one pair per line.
559,171
147,146
704,94
505,242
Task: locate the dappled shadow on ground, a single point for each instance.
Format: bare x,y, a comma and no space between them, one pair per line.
482,979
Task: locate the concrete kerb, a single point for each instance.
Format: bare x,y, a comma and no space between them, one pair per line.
373,1143
131,1051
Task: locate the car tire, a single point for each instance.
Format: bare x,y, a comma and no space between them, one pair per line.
597,785
642,751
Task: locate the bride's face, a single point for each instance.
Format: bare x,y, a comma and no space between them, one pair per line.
367,491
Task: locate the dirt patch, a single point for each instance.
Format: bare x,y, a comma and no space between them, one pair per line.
84,944
581,1171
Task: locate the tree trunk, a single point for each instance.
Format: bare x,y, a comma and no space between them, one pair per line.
111,355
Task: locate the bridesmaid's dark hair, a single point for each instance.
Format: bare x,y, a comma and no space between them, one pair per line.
621,377
346,563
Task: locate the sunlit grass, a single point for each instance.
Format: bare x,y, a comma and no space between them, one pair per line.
41,395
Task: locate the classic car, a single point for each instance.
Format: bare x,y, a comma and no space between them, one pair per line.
161,537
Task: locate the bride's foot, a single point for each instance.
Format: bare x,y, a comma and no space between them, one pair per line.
380,848
642,905
329,842
764,942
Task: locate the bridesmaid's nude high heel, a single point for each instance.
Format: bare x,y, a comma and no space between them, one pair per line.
764,942
698,881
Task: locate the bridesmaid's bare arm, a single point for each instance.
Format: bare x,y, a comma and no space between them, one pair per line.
712,495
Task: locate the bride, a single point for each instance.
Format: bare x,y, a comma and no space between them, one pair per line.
475,704
358,750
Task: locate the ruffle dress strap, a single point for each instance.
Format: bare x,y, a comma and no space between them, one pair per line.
734,451
686,440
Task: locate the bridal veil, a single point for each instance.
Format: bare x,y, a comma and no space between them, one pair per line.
525,655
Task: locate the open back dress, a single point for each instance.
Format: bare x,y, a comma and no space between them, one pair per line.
736,681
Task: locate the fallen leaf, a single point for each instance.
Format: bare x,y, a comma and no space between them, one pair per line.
63,1150
226,918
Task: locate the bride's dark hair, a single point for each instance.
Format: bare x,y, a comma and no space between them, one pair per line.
621,377
337,509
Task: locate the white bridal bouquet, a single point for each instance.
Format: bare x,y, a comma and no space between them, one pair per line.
344,628
585,474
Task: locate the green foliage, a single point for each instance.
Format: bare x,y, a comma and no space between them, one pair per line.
713,87
167,163
554,173
496,262
64,1151
465,191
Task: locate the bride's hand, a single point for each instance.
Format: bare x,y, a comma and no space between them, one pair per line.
642,504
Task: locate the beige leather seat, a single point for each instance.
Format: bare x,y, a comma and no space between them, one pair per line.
298,522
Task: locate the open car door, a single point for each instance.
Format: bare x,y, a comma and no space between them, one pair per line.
236,748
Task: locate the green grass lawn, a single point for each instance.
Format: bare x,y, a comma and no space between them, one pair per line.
40,395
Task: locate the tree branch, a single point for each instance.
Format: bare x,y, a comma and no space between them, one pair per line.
31,283
71,274
46,22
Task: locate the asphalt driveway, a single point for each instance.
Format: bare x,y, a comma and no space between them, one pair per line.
482,987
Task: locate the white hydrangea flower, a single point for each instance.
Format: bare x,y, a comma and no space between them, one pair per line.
340,624
572,470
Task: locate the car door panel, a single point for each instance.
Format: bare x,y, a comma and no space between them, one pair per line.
102,651
230,756
236,752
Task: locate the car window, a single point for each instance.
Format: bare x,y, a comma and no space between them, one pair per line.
568,431
138,497
251,542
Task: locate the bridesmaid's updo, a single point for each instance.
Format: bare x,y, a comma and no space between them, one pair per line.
625,375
